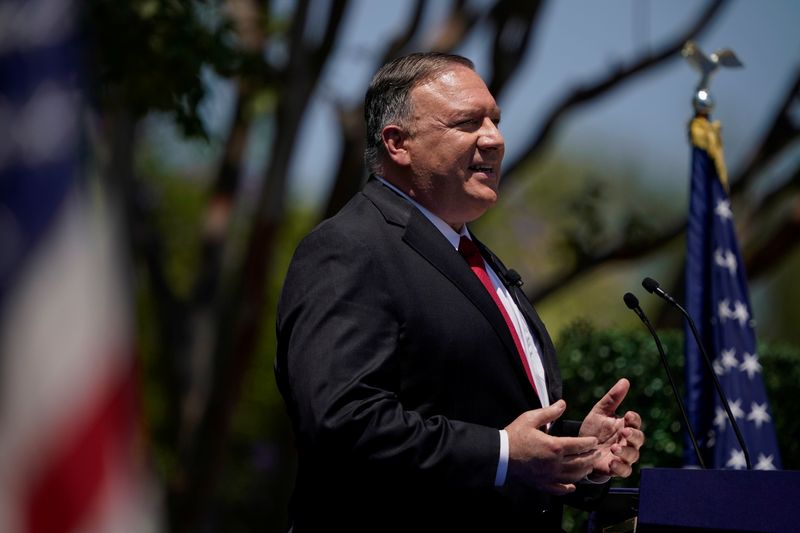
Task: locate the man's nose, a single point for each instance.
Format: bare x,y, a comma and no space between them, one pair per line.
490,137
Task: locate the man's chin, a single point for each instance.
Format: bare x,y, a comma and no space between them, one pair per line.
482,204
487,197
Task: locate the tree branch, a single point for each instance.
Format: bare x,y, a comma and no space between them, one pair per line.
790,186
782,131
406,35
582,94
514,23
781,242
329,38
241,309
776,138
458,24
622,252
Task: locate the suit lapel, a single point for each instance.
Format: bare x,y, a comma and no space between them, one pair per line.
427,241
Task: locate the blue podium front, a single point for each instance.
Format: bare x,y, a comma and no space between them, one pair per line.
718,500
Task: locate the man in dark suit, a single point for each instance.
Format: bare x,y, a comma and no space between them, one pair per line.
422,386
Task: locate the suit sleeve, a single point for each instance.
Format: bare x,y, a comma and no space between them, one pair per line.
340,370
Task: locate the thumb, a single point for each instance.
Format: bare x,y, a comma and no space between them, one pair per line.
610,401
546,415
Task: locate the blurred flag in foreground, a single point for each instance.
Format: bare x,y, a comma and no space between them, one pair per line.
718,301
69,452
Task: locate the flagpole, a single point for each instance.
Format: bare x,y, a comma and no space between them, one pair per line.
703,105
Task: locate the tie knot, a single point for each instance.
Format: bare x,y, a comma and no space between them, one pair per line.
469,250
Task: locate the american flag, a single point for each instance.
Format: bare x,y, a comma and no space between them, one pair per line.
717,299
69,455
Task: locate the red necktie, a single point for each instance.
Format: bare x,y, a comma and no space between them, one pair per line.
469,251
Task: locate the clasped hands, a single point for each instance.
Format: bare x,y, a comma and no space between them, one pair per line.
606,445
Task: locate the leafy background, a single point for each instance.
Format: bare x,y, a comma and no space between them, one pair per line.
225,130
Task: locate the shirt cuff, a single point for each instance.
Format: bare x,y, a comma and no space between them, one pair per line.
594,479
502,463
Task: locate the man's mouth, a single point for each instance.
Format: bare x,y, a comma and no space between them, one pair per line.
482,168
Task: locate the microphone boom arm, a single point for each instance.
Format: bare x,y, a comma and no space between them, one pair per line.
633,303
653,287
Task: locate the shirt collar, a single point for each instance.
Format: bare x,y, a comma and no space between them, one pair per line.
450,234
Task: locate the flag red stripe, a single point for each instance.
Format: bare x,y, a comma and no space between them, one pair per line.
71,482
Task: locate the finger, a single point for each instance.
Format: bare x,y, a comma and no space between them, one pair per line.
613,398
546,415
633,437
580,464
633,420
620,468
577,445
577,470
558,489
610,429
627,455
589,455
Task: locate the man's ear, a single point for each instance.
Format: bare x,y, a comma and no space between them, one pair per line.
395,141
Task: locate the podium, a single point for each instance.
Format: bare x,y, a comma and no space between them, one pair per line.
710,501
718,500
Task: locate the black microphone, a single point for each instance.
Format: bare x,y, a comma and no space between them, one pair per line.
633,303
653,287
513,278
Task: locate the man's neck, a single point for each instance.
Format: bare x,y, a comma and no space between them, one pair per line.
408,191
433,217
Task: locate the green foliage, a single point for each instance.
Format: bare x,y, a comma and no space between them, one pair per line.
175,207
592,360
552,218
260,465
781,368
148,55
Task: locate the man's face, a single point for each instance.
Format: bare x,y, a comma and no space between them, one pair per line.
454,147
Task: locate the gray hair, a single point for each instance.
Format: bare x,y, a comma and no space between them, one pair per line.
387,100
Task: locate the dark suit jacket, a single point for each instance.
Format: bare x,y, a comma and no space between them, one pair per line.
398,370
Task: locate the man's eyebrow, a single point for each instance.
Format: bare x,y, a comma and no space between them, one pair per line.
472,111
